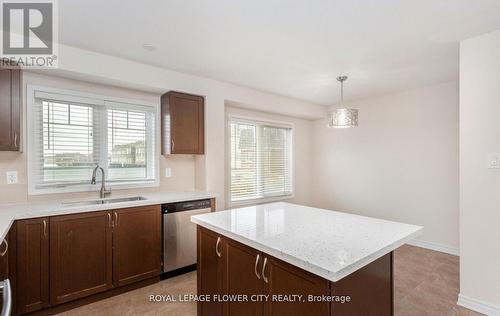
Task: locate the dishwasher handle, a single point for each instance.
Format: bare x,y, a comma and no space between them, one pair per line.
6,296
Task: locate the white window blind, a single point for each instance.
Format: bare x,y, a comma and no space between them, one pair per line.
260,160
71,135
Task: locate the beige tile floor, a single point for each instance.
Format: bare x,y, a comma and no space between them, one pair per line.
426,283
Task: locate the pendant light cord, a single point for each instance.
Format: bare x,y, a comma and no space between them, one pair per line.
342,92
341,79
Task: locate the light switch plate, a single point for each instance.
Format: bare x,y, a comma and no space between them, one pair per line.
168,172
493,161
12,177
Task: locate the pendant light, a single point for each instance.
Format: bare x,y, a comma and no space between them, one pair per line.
343,118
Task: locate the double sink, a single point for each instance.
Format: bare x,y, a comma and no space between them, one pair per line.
104,201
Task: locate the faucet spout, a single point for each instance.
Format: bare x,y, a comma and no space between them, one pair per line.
103,192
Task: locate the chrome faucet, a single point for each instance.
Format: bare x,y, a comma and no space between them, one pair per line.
104,191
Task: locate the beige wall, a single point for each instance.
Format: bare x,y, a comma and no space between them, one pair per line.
401,163
302,136
480,186
183,167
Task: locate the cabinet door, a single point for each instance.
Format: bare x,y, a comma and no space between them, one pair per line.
10,109
184,123
32,268
281,278
370,289
4,259
136,244
210,270
80,255
242,276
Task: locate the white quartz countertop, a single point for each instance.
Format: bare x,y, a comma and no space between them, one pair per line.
327,243
11,212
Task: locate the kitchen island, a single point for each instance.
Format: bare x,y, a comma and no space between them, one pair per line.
287,259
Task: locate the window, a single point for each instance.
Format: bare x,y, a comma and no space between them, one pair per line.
70,134
260,160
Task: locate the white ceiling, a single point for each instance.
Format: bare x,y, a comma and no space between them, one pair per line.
290,47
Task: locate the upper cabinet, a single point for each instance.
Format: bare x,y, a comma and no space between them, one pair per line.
182,124
10,109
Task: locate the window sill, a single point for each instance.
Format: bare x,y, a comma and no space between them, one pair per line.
258,201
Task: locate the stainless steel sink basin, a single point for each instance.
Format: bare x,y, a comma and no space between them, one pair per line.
104,201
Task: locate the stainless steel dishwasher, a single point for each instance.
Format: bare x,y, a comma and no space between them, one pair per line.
179,233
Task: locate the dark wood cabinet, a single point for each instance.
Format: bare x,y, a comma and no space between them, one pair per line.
370,286
282,278
242,276
32,268
4,259
183,126
10,109
136,244
83,257
210,251
250,273
80,255
227,267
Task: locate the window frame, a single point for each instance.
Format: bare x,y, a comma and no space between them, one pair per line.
101,100
259,121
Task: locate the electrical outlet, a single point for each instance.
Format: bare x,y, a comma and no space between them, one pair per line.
168,172
11,177
493,161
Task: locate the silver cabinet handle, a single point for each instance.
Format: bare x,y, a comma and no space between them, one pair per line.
255,268
173,146
116,218
219,254
45,228
6,248
6,296
109,219
264,270
15,139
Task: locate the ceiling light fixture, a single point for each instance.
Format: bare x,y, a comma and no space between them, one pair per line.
343,118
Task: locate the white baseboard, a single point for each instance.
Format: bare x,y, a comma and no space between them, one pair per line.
478,306
433,246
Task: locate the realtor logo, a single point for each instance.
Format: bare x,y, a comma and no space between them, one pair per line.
29,34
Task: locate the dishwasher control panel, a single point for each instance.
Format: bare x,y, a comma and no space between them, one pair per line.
186,206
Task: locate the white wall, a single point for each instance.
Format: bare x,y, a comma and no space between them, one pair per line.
400,163
479,186
302,149
103,69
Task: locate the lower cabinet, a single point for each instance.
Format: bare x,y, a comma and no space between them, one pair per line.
58,259
4,258
281,278
32,264
231,268
210,270
242,276
136,244
373,283
80,255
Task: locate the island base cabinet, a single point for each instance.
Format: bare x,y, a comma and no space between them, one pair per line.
233,270
80,255
32,264
209,270
242,276
283,279
271,287
370,289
